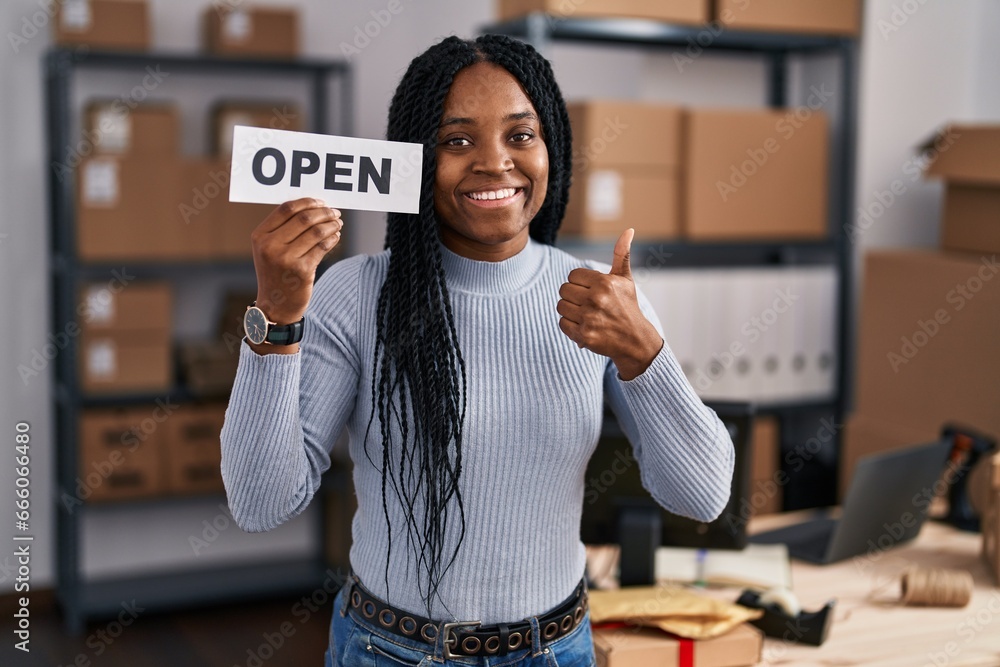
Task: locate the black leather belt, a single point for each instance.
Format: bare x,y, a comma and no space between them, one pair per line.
470,638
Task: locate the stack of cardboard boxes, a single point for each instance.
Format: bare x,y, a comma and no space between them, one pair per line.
930,320
138,199
125,338
149,450
697,174
829,17
231,29
626,169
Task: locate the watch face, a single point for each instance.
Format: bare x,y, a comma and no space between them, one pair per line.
255,325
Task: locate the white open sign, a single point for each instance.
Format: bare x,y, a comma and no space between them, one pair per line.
273,166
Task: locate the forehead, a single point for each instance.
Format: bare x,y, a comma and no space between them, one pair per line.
485,90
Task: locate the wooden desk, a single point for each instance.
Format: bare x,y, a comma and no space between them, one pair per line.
871,628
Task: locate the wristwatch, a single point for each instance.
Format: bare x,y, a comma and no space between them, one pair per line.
259,329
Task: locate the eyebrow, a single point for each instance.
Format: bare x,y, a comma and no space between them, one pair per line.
521,115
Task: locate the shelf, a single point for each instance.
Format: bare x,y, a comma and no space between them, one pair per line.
680,254
189,62
654,33
328,85
141,268
176,393
109,506
103,598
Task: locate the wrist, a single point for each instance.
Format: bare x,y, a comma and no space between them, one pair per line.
267,348
636,358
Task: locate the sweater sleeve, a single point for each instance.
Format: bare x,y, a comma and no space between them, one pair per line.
685,453
286,411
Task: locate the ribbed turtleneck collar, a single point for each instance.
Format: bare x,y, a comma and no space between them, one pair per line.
503,277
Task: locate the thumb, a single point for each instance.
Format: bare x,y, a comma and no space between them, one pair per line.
620,266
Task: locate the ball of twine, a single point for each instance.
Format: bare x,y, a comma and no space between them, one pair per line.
936,587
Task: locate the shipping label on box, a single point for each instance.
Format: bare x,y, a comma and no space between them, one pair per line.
237,26
77,15
100,186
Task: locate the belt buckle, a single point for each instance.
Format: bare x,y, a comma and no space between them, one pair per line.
446,629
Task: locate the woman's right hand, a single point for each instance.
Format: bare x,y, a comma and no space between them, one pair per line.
288,245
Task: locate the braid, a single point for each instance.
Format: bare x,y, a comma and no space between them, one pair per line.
418,366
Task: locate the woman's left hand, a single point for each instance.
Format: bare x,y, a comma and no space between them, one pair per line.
601,313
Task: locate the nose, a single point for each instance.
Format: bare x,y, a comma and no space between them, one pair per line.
493,157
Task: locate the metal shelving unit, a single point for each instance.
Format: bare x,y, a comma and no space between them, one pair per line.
82,599
542,30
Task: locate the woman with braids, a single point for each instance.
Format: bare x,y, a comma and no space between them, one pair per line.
469,362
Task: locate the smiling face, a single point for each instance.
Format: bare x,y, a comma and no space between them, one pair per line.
492,164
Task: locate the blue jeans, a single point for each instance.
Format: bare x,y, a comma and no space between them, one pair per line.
355,642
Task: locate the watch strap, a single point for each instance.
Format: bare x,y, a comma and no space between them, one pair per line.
286,334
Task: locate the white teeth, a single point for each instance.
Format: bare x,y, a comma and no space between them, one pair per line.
496,194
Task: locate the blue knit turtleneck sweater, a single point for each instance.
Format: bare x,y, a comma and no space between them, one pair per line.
532,421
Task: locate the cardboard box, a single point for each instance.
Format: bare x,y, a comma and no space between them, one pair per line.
965,154
151,130
626,159
644,647
967,157
127,210
927,341
864,435
613,132
193,452
605,201
249,30
278,115
102,24
125,361
111,307
766,494
674,11
755,175
971,218
830,17
118,458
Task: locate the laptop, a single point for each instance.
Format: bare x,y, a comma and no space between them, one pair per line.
886,505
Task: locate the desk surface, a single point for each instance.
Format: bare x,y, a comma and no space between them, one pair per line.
870,627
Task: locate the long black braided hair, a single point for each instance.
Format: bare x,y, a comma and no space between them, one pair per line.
417,355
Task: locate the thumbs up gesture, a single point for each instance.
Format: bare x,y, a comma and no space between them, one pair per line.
601,313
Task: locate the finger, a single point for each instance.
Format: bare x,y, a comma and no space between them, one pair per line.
301,223
584,276
570,311
315,234
621,266
316,254
574,293
571,329
286,210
